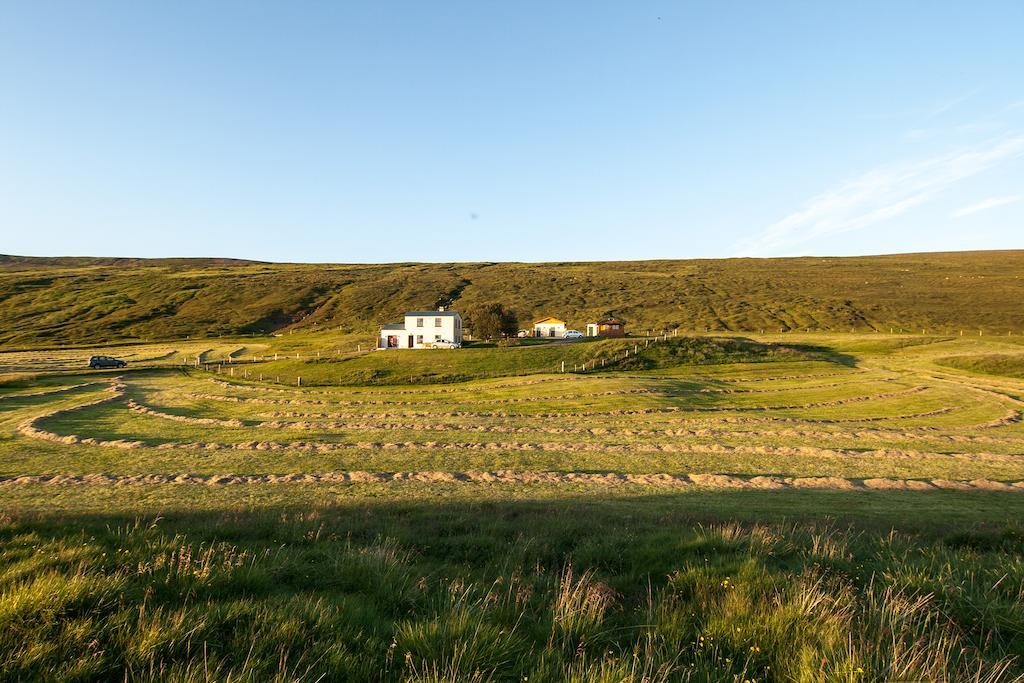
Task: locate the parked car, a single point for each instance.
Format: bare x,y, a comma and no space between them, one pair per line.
97,362
572,334
445,344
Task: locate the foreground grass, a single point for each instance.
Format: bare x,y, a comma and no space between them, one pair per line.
484,583
464,581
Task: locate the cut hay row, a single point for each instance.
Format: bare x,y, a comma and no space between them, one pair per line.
31,428
332,425
712,378
343,402
1010,418
412,392
50,392
876,434
702,481
136,407
593,413
725,419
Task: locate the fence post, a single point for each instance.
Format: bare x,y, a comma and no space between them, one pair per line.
563,366
298,381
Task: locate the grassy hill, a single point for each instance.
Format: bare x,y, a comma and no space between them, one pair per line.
1005,365
480,362
80,300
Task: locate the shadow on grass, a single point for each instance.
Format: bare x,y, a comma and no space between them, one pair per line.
526,588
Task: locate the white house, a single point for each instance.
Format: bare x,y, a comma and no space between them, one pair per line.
421,329
549,327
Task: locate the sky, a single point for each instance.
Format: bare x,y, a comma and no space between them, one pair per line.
384,131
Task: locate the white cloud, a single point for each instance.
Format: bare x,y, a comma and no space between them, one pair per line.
985,205
943,107
878,195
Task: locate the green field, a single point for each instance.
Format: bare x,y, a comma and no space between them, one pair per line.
47,301
789,507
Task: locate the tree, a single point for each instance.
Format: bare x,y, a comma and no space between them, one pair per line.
492,321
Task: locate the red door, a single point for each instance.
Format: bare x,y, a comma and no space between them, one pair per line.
410,341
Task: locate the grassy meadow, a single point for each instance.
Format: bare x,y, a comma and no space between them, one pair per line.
794,507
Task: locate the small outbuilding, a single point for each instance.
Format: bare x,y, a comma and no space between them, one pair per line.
549,327
609,327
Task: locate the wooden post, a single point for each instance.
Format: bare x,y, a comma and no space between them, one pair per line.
232,371
298,381
563,366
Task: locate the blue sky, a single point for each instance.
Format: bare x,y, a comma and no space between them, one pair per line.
535,131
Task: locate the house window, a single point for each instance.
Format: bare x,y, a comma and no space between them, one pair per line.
615,327
437,337
419,338
419,322
437,322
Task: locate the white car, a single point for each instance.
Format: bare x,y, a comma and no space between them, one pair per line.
445,344
572,334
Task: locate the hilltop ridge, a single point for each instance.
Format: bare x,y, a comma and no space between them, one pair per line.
86,299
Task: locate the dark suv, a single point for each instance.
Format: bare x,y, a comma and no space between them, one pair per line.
106,362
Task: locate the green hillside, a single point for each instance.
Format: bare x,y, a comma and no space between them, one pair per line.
77,300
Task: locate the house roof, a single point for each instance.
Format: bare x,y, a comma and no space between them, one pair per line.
392,327
611,321
549,320
432,314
